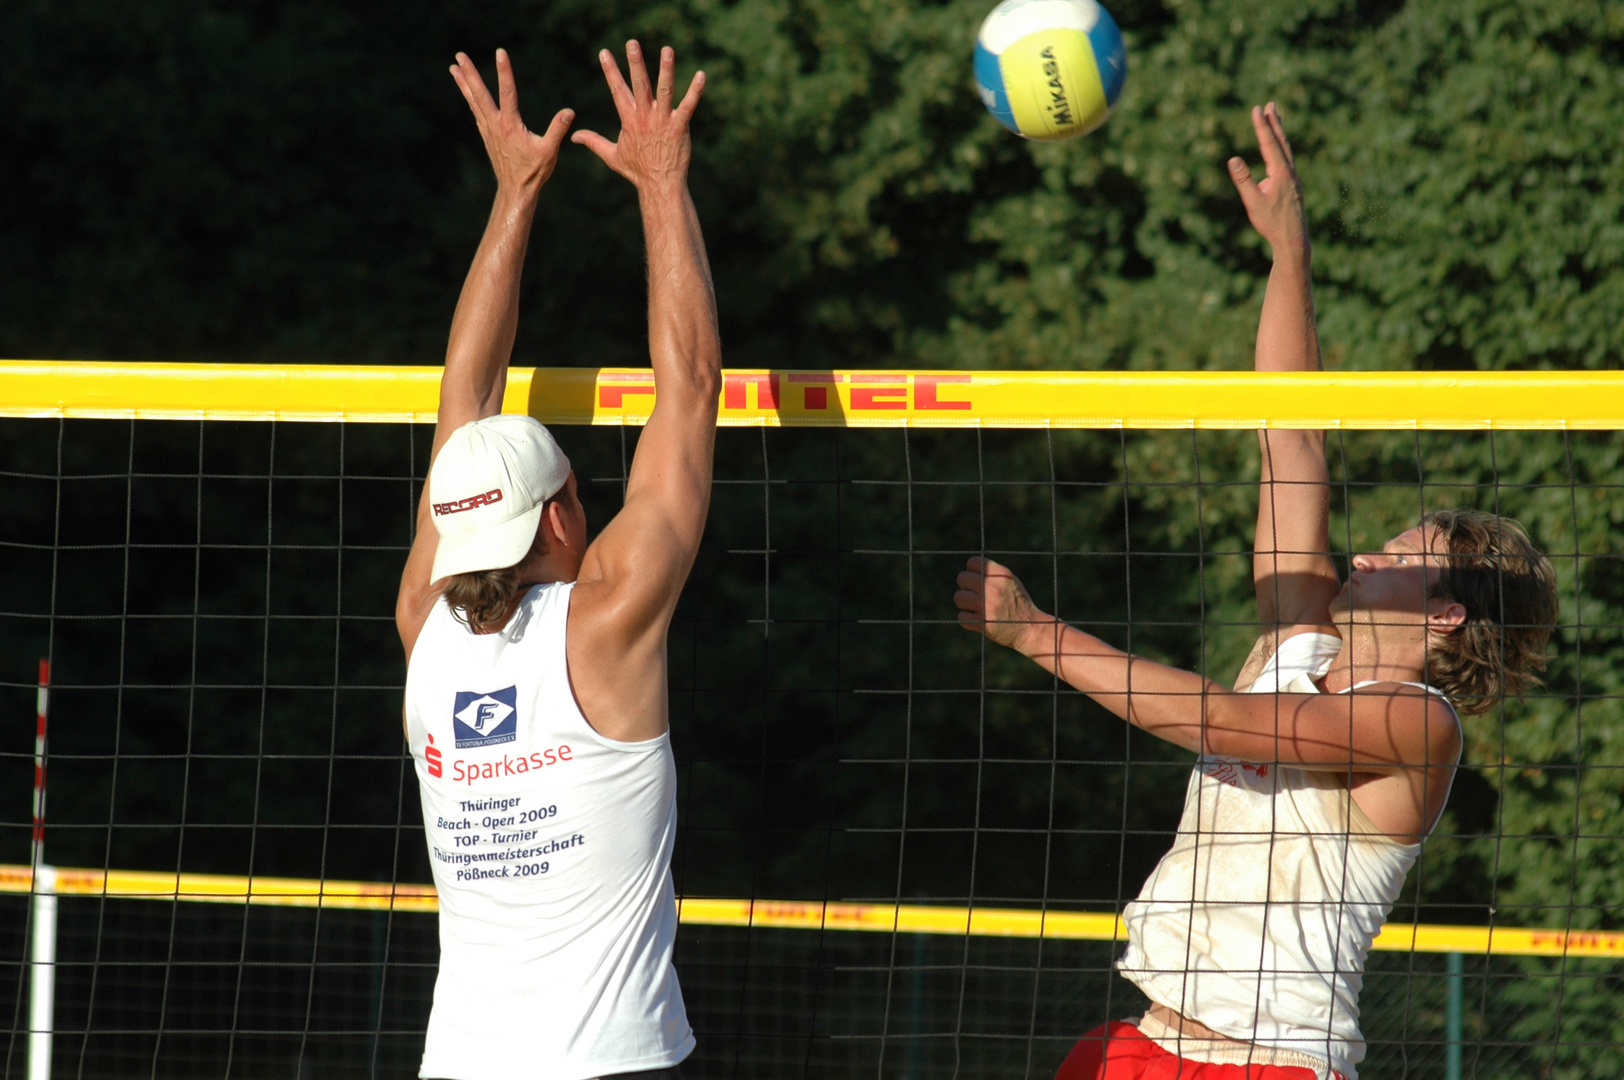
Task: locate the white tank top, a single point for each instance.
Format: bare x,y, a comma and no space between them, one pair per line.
1258,921
551,849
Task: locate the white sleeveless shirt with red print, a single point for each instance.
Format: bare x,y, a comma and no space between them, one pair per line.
551,850
1258,921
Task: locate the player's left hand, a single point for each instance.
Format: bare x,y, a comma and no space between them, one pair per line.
653,149
992,601
521,159
1274,204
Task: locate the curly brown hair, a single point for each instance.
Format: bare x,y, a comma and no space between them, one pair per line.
1508,589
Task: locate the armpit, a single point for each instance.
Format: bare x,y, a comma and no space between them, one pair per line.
1256,660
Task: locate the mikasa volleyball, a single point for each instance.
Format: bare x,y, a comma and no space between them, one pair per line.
1050,69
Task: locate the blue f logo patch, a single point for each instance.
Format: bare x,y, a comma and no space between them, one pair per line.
485,719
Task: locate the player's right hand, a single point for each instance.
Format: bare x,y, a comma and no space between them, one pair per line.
992,601
653,149
1274,204
521,159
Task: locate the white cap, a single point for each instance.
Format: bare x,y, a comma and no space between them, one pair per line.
487,489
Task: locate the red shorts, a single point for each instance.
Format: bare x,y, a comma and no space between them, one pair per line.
1118,1051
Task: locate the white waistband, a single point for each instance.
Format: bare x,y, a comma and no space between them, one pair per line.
1230,1051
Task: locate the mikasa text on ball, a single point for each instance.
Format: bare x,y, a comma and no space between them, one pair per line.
1050,69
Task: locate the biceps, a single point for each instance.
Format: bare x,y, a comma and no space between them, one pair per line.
640,562
416,597
642,558
1366,732
670,482
1292,593
1292,569
1295,490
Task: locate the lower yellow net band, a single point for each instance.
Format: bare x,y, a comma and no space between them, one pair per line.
781,914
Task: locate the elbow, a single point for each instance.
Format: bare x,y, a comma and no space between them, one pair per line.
687,364
1281,446
692,393
707,381
1222,734
700,384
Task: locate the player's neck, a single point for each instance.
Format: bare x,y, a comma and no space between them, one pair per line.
549,567
1368,657
529,578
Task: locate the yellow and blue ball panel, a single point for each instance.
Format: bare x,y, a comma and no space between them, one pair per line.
1050,69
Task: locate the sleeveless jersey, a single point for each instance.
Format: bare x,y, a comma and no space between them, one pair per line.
1258,921
551,851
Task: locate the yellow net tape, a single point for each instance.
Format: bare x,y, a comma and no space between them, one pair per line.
781,914
227,889
619,396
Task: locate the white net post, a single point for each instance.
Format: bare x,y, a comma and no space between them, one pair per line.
42,986
42,948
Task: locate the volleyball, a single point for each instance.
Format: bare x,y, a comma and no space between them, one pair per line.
1050,69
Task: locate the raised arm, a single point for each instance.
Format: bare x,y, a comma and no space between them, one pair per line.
487,317
1292,568
1395,734
633,573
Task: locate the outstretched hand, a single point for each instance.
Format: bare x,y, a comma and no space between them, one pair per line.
992,601
1274,204
521,159
653,146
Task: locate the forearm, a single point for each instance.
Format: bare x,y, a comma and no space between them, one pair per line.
1287,339
487,317
1294,489
684,341
1164,701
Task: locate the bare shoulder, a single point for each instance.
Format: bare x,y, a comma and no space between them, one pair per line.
1425,725
617,669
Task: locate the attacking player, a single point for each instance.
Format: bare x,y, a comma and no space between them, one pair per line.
536,704
1322,771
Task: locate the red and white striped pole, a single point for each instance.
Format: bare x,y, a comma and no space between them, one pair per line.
41,708
42,985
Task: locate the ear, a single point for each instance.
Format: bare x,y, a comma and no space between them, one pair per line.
1445,616
553,521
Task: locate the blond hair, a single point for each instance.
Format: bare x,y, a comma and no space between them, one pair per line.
1508,589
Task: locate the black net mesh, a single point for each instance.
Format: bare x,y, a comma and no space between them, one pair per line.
217,601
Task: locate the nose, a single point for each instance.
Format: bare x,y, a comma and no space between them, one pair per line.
1362,561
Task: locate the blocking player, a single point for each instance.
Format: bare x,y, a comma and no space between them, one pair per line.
536,704
1323,770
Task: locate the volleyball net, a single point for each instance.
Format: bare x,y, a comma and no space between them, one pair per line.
902,853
